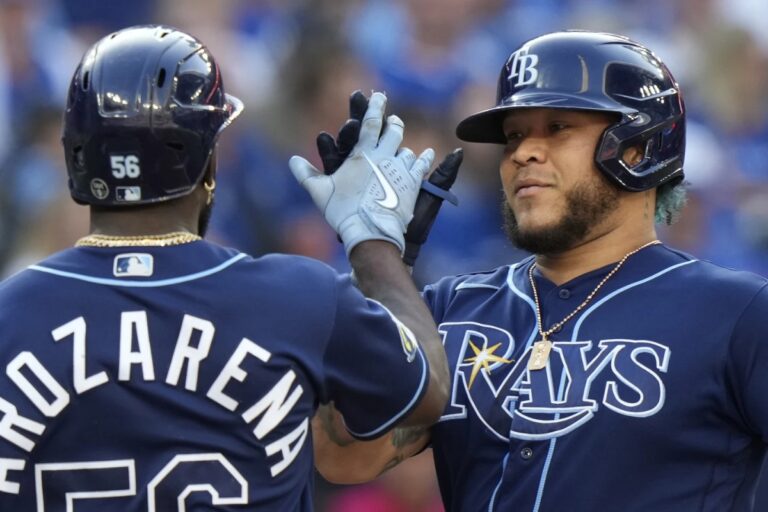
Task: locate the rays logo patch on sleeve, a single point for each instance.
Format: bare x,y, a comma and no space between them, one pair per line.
408,340
133,264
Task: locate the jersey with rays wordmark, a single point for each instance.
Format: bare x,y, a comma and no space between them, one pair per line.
653,397
184,378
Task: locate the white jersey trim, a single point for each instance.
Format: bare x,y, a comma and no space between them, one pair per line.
409,407
465,286
140,284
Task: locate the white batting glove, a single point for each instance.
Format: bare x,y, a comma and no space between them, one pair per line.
372,195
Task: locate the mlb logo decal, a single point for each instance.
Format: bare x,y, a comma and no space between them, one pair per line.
133,264
128,193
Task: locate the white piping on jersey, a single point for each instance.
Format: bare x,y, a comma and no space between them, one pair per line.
498,485
620,290
531,337
404,410
140,284
465,286
416,395
526,298
574,337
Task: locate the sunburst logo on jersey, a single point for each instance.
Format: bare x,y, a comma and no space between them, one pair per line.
481,360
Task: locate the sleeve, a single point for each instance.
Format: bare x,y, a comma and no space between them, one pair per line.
436,295
374,369
748,360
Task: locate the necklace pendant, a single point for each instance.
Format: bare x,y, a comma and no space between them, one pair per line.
540,355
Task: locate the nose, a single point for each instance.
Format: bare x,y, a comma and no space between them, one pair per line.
529,150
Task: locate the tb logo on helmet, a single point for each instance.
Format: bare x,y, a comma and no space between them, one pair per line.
522,65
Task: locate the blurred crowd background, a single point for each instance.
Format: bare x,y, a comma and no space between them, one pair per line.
294,63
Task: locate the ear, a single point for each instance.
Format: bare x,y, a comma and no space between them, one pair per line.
210,170
633,155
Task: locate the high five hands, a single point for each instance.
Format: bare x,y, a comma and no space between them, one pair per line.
372,192
333,153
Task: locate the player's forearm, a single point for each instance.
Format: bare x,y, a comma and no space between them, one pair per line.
382,276
341,459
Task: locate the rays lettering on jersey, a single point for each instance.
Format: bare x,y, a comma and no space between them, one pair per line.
535,405
192,347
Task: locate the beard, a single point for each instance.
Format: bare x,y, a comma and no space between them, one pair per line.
586,204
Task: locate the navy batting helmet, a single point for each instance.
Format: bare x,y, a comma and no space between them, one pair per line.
145,108
580,70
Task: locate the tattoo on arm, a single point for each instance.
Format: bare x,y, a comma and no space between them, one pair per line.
327,414
401,438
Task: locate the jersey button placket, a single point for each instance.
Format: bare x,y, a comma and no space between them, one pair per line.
564,293
526,453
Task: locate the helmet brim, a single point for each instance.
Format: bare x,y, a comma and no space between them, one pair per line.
235,107
487,125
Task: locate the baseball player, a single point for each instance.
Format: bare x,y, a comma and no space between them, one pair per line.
146,369
608,372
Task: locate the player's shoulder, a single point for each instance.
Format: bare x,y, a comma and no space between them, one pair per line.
473,288
292,279
723,278
23,293
19,280
485,281
293,268
712,285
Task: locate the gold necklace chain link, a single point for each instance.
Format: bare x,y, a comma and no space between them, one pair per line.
542,348
164,240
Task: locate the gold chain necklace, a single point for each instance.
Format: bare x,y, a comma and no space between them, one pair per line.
175,238
543,347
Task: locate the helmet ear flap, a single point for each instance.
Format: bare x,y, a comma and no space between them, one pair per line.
660,160
635,155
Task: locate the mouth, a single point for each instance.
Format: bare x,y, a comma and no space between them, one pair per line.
529,188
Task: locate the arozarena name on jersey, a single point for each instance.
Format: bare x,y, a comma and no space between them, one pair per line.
515,402
51,398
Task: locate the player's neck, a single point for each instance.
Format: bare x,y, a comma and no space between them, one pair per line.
147,220
596,251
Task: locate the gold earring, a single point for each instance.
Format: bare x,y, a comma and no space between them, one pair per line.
210,188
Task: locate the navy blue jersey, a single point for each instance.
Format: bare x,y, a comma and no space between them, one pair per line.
184,378
655,396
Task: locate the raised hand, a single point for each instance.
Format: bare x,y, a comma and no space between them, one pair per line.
431,196
371,196
332,151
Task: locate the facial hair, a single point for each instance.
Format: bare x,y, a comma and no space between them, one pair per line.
586,204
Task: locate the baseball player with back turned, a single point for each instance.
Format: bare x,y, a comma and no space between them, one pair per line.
146,369
607,372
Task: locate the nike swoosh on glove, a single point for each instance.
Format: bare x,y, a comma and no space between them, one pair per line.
372,194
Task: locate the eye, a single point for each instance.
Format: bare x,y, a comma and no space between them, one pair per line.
557,126
513,136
